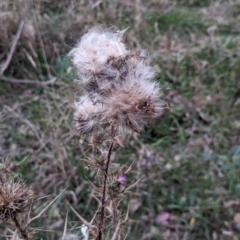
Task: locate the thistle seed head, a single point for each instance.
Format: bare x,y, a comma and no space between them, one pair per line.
119,92
95,47
15,198
87,116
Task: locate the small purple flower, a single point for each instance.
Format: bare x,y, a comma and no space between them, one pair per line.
122,179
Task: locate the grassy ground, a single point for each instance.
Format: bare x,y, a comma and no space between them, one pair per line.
190,156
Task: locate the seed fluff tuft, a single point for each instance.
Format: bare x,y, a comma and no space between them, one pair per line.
117,87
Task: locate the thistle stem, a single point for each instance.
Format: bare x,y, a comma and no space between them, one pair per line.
22,231
104,192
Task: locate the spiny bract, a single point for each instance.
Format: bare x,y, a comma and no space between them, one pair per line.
15,197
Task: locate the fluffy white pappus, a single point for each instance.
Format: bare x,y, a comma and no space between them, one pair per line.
95,48
140,71
133,105
87,116
130,68
118,87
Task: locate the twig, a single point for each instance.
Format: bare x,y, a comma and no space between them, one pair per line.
81,218
13,47
134,184
52,81
65,227
40,214
104,192
116,231
22,231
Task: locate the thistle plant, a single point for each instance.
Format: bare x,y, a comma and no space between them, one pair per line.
15,201
116,96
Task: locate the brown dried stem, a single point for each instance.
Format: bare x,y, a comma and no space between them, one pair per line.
104,192
52,81
13,47
23,231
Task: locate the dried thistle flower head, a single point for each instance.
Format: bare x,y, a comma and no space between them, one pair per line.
95,48
15,198
118,91
87,115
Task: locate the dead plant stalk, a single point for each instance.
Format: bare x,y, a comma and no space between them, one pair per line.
104,190
118,95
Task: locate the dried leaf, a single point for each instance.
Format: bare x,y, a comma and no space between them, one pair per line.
161,217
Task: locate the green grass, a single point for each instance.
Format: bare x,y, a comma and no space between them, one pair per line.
190,155
180,20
